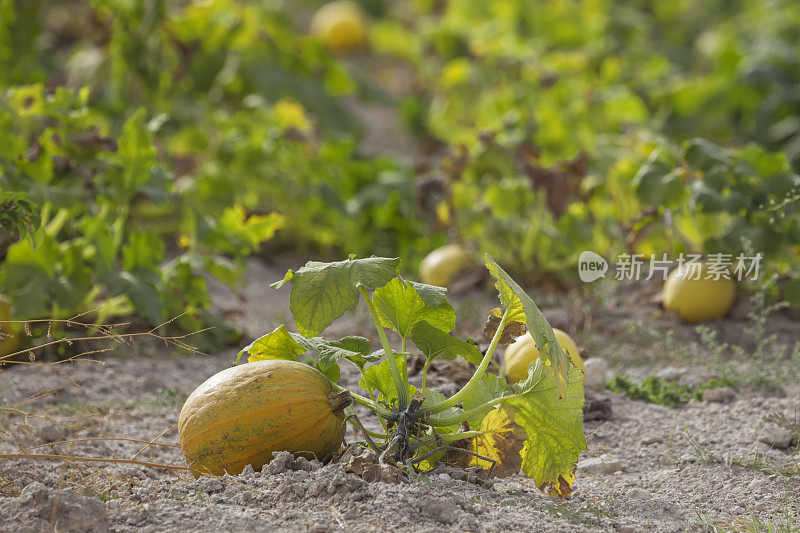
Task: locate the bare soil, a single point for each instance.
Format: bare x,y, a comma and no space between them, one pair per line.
648,467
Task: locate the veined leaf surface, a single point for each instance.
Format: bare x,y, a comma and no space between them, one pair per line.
402,304
322,292
519,304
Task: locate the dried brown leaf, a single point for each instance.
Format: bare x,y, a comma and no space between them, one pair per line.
511,331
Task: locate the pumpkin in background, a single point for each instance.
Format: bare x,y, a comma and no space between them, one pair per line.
695,294
239,416
341,25
523,352
444,264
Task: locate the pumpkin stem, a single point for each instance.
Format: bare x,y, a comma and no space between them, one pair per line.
400,383
473,381
339,401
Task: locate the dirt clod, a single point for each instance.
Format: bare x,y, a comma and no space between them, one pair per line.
50,433
602,465
596,408
595,372
46,509
776,436
366,464
719,395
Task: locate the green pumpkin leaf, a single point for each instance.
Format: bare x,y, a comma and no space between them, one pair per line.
283,344
141,286
400,307
18,215
656,184
354,343
704,154
533,430
236,231
322,292
376,356
517,303
434,342
379,378
332,372
554,428
278,344
329,353
432,295
780,186
136,154
489,387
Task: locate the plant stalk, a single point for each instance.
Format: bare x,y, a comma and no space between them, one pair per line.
366,402
452,420
449,438
399,383
405,359
460,395
428,361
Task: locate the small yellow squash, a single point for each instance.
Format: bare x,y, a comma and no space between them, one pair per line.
523,352
341,25
443,264
695,298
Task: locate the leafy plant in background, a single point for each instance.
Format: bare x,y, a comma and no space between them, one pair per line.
537,217
705,197
18,218
536,425
517,93
271,158
529,110
721,70
726,71
543,130
241,116
207,72
657,390
86,188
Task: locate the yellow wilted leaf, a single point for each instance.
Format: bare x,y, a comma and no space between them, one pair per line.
562,487
501,440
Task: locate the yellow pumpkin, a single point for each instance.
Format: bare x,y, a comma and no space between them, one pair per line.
10,340
523,351
442,265
695,298
239,416
341,25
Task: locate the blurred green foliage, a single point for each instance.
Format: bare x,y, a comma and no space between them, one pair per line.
571,125
157,141
145,144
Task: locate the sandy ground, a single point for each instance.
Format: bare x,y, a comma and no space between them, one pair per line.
648,467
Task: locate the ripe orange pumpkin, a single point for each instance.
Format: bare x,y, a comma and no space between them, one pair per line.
239,416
